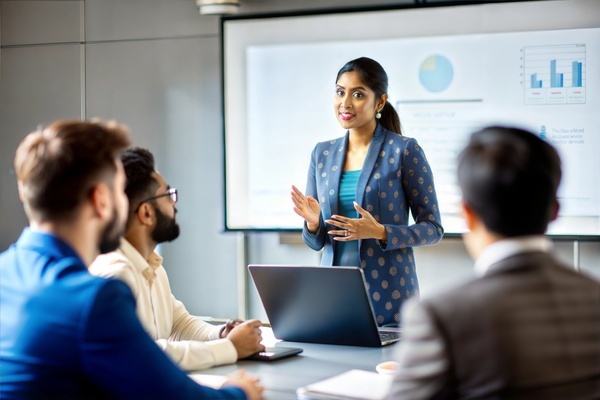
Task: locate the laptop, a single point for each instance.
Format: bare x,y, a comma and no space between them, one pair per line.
328,305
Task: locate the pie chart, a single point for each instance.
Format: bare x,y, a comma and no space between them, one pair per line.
436,73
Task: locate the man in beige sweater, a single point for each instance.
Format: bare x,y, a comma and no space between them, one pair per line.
192,343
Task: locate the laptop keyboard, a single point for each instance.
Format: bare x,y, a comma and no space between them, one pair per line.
387,336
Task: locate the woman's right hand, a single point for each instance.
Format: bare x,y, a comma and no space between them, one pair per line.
307,207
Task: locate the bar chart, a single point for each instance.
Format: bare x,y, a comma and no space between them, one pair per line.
554,74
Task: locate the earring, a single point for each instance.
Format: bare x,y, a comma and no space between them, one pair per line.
378,115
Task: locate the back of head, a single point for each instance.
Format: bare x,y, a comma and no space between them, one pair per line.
141,184
509,177
374,76
58,166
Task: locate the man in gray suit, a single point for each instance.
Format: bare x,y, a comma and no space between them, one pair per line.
528,327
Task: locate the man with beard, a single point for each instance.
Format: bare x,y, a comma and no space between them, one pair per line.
65,333
189,341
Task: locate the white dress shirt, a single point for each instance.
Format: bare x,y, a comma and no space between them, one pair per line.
187,340
421,354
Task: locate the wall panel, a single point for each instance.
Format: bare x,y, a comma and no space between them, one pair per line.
38,85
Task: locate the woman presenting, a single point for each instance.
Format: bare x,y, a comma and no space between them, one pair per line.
360,188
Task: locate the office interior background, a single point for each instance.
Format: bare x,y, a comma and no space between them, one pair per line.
155,65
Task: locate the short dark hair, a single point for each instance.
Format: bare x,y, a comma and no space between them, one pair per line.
509,177
57,166
139,167
374,76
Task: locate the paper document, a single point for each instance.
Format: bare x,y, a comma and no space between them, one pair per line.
354,385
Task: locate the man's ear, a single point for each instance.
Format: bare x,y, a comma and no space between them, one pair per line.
555,210
145,214
21,189
469,216
101,200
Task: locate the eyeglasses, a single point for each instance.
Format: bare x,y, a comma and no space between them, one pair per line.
172,192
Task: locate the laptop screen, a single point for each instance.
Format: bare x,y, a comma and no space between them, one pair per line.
317,304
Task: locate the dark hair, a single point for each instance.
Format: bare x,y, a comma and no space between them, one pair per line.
57,166
139,167
374,76
510,177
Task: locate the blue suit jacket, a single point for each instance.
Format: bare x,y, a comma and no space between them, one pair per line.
395,177
69,335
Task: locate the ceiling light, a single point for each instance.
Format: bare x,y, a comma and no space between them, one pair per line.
218,7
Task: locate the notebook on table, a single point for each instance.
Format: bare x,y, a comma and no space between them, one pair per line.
328,305
351,385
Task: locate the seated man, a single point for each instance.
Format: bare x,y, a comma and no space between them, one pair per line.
192,343
65,333
529,326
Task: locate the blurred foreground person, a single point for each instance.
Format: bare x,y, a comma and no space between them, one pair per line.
529,326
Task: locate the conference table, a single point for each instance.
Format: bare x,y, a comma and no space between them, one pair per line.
281,378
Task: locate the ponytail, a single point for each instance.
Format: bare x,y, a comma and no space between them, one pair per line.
390,119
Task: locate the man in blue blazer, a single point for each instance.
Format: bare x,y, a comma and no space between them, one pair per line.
528,327
65,333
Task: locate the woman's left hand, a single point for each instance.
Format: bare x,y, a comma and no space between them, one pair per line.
356,228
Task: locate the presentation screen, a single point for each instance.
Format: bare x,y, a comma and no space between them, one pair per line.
532,65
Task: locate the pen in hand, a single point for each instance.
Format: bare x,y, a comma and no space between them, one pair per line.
229,325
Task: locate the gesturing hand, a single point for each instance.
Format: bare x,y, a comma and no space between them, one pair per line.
307,207
364,227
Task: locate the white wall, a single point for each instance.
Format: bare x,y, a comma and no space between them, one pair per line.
155,66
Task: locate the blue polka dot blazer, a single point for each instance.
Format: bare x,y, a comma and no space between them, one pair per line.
395,177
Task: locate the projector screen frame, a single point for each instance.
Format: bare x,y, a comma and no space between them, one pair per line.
332,11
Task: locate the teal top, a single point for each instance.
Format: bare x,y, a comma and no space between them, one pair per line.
346,253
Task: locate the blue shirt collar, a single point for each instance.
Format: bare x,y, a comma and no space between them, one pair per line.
48,244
